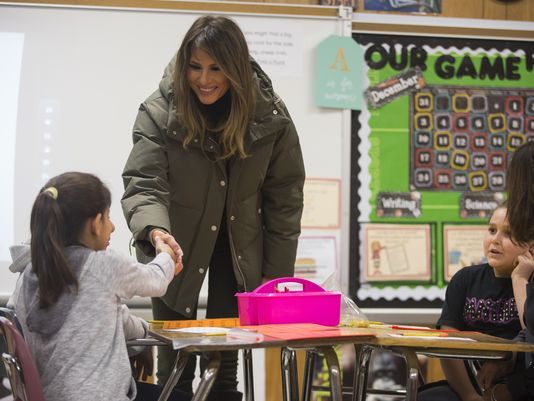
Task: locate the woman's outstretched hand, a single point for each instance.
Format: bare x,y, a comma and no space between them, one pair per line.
165,242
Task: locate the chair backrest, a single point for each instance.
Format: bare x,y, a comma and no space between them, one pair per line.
10,314
21,369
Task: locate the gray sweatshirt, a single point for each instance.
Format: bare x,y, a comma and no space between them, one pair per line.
79,343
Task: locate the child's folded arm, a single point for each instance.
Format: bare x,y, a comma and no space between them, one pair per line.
134,327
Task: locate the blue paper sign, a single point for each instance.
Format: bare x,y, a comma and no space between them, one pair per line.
339,72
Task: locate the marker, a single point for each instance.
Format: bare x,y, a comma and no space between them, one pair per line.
399,327
424,334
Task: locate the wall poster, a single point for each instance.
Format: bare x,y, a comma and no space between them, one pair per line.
316,258
442,119
462,246
396,252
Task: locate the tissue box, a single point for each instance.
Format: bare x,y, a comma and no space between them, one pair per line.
278,301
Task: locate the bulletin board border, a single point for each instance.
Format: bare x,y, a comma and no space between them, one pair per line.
415,25
227,7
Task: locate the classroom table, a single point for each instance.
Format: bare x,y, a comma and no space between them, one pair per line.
212,345
408,343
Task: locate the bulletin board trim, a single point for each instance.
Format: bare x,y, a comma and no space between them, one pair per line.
192,6
442,26
441,31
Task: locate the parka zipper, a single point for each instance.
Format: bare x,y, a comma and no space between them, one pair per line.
228,227
234,256
228,221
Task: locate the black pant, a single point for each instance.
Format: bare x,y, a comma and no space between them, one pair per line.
437,391
222,302
521,384
151,392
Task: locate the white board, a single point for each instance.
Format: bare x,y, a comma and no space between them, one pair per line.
72,80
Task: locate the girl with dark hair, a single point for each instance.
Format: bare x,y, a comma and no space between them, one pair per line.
217,168
69,297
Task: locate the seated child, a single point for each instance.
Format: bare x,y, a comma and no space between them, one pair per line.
479,298
69,297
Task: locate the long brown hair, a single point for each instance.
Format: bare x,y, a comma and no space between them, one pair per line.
520,187
58,216
224,41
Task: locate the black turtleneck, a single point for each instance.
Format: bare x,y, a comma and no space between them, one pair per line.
218,111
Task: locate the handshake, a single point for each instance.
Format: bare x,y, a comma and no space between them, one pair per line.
165,242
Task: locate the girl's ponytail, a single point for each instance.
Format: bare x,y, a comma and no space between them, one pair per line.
48,250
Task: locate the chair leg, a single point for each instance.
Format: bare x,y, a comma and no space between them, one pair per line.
249,374
357,351
311,357
412,379
290,389
208,377
360,381
334,371
179,366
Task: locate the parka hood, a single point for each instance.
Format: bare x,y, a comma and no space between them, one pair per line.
166,83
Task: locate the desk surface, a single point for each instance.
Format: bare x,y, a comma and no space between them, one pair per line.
197,343
385,337
455,340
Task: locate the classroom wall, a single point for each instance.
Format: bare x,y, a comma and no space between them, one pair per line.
522,10
69,98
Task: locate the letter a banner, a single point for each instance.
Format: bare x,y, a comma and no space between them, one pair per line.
339,72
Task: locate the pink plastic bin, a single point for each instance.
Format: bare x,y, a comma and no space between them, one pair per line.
265,305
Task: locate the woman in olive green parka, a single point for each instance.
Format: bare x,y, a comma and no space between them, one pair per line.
217,168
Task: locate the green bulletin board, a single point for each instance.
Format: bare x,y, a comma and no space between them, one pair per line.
442,119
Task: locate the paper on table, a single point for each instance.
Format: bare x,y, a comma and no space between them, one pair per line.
295,331
205,331
431,337
218,322
398,327
245,334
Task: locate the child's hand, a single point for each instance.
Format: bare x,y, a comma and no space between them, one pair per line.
162,246
167,239
525,266
142,364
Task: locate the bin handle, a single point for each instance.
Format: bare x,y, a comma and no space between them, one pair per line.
270,286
